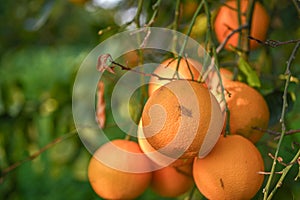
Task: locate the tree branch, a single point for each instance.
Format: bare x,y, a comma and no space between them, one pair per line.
283,127
36,154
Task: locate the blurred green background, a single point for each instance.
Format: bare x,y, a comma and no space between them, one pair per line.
42,45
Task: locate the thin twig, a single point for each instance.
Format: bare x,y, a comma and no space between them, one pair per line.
269,131
273,43
180,55
139,72
238,4
222,45
138,14
155,8
283,175
277,133
283,127
296,3
176,17
280,160
268,173
36,154
175,27
215,63
249,17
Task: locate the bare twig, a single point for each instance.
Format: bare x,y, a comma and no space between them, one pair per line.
283,175
296,3
180,55
176,17
139,72
277,133
222,45
249,15
269,131
273,43
279,160
138,13
283,128
268,173
215,63
155,8
36,154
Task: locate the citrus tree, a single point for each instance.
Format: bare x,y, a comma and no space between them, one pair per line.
150,99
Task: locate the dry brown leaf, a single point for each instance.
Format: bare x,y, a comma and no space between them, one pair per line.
100,108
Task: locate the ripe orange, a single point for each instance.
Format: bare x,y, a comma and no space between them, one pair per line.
230,170
248,109
159,159
131,59
167,69
182,119
111,183
226,75
227,20
171,181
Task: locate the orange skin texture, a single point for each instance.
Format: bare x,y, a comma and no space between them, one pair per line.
171,181
230,171
248,109
131,59
179,121
110,183
227,20
167,69
226,75
159,159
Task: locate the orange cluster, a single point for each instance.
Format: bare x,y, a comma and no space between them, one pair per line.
180,136
180,141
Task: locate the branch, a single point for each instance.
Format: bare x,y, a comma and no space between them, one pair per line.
273,43
297,6
138,14
277,133
155,8
239,29
215,62
105,66
36,154
283,127
180,55
283,175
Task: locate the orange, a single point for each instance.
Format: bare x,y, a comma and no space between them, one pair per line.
248,109
182,119
230,170
226,75
171,181
159,159
167,69
227,20
188,8
111,183
131,59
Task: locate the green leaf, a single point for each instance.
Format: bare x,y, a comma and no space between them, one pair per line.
252,78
